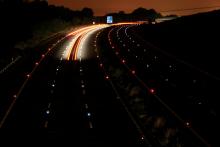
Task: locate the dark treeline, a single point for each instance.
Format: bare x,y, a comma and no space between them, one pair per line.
24,23
25,19
139,14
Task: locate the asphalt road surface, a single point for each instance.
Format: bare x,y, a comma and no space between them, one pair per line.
68,90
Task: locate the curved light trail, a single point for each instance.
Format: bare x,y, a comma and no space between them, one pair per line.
75,49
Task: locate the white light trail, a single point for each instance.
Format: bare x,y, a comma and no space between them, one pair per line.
77,47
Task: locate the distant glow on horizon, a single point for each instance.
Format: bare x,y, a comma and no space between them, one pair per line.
102,7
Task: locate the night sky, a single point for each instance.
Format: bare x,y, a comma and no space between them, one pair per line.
101,7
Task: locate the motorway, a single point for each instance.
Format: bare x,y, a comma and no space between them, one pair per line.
107,86
66,92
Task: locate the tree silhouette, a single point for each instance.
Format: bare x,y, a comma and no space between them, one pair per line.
87,12
145,14
21,18
139,14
